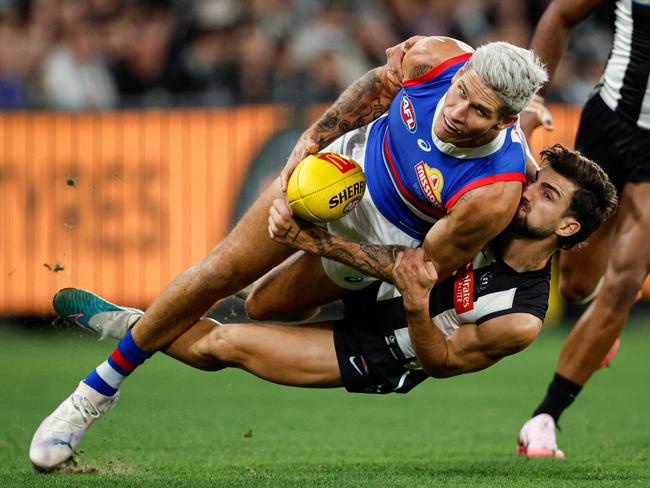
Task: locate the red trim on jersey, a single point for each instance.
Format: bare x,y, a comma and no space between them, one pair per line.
429,210
432,73
487,180
121,361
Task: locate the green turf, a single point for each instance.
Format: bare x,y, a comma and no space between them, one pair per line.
179,427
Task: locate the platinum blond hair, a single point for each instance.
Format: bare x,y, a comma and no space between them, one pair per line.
514,74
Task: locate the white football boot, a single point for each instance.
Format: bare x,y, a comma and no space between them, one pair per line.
59,434
537,438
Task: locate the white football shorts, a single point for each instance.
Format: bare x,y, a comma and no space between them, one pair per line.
364,223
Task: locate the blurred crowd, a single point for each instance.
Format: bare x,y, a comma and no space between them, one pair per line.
104,54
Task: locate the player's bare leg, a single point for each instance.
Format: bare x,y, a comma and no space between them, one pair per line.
245,255
242,257
286,354
582,269
293,290
300,356
600,325
627,268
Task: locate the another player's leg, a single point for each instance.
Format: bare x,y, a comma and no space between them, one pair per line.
581,270
293,290
300,356
292,355
246,254
211,346
597,329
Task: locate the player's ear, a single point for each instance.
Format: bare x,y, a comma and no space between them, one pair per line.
567,227
508,122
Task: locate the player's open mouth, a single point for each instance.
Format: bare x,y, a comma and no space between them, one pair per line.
449,126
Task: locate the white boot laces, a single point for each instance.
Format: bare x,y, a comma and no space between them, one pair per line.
85,407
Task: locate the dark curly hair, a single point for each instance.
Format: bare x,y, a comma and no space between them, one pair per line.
594,200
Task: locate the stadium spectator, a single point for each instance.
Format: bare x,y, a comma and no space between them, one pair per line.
75,75
204,52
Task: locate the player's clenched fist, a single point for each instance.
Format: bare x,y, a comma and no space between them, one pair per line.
284,228
414,275
394,57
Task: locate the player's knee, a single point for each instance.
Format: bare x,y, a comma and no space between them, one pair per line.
259,308
621,285
256,308
576,290
267,302
223,345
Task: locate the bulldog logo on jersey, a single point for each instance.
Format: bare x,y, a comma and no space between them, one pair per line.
408,114
431,182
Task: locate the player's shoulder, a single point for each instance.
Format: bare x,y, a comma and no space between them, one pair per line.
430,52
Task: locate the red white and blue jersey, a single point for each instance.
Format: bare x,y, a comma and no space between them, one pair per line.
414,178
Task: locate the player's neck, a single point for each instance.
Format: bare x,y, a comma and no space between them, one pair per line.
525,254
482,141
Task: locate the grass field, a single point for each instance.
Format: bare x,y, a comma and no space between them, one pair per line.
178,427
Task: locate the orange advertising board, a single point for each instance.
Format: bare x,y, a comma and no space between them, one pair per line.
120,203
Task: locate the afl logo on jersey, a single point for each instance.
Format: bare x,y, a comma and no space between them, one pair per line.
431,182
408,114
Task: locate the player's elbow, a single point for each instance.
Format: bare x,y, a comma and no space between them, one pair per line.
439,373
527,333
437,367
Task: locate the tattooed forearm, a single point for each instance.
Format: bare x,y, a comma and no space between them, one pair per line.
361,103
371,259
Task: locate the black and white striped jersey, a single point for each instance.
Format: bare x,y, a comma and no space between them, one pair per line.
625,86
486,288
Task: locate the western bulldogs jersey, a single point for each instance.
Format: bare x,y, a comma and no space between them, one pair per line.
414,178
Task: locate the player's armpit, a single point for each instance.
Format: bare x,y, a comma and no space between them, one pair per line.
429,52
476,218
476,347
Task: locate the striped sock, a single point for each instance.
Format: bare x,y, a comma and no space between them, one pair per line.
108,376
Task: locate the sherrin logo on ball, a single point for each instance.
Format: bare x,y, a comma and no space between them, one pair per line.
324,187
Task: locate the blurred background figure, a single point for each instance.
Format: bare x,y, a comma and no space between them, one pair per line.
103,54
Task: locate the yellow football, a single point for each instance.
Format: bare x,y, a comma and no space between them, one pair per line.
324,187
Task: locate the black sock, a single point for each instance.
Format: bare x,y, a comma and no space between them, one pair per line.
560,394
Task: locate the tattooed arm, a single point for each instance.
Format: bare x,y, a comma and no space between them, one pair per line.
370,96
371,259
365,100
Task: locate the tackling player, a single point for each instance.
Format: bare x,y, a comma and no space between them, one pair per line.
492,308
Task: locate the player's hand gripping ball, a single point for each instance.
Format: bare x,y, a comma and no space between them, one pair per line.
324,187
